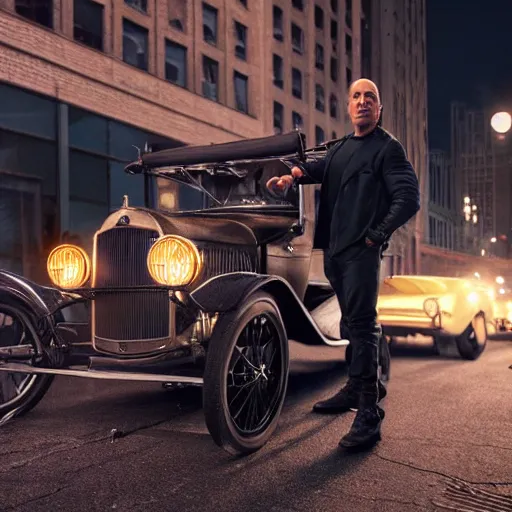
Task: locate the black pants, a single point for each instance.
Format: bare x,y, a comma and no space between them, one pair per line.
354,276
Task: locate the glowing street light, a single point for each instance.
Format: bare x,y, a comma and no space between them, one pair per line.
502,291
501,122
477,275
493,240
500,280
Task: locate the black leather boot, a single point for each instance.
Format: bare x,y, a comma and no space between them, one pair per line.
365,430
346,399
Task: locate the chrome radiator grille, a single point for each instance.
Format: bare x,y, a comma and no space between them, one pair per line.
121,255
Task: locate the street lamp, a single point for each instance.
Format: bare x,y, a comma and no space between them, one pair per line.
501,122
500,280
493,240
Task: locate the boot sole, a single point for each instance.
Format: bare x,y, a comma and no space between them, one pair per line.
367,443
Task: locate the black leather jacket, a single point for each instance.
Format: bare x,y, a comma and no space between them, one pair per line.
379,192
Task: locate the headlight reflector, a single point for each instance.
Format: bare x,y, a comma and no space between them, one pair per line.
68,266
431,308
174,261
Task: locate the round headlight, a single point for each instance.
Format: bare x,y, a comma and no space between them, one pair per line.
431,307
68,266
174,261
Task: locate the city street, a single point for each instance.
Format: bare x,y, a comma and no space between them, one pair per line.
446,419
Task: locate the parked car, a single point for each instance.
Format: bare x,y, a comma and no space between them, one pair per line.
208,296
456,312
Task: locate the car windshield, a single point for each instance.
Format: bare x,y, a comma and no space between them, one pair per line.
193,189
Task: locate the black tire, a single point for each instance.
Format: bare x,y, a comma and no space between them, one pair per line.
220,389
34,386
472,342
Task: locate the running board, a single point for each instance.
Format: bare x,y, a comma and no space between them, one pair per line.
98,374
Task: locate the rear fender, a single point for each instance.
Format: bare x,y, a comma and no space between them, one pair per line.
224,293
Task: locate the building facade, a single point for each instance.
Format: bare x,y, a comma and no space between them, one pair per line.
84,81
443,216
394,50
482,162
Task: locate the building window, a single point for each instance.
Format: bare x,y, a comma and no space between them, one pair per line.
319,135
297,83
334,136
333,106
278,118
88,23
319,98
277,66
297,39
40,11
348,49
140,5
135,45
175,63
348,14
177,12
210,78
319,17
349,77
210,24
334,5
244,3
297,121
277,20
241,92
334,35
319,56
241,41
298,4
334,69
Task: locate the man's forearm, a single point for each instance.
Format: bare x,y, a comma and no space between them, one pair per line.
400,212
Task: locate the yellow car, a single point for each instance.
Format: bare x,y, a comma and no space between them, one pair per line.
457,313
503,314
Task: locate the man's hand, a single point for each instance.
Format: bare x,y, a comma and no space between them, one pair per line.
285,181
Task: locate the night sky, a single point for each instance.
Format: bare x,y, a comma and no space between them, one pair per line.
469,59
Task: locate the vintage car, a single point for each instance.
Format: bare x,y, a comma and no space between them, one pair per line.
503,314
456,312
209,296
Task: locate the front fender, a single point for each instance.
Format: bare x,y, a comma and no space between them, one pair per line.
224,293
41,300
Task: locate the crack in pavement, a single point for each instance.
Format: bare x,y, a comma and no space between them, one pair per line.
77,443
450,442
37,498
69,445
434,472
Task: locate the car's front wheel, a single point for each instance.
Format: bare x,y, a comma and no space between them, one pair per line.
19,392
469,344
246,375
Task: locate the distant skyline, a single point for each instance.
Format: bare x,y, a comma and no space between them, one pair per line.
469,59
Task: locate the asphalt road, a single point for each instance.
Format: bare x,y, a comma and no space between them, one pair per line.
446,419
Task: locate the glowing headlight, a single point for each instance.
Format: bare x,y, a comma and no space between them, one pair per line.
431,308
68,266
174,261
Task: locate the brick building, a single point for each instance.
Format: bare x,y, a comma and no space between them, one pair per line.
83,81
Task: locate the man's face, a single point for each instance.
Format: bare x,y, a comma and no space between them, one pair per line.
364,103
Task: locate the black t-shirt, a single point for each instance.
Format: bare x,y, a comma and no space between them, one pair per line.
338,164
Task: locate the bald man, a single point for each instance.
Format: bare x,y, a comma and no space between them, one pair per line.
369,189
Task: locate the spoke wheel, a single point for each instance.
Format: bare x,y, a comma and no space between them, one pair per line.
19,392
246,375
